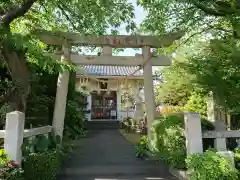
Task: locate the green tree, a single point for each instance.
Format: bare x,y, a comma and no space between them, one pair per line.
18,18
214,25
176,85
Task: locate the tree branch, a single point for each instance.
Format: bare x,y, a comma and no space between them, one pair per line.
17,12
192,35
66,15
209,11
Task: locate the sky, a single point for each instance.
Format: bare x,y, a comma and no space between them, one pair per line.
139,17
140,14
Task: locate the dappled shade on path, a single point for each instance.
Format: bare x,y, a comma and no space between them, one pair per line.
106,155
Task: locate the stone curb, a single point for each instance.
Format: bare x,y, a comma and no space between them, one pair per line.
180,174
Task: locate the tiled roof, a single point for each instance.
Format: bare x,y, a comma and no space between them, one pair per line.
98,70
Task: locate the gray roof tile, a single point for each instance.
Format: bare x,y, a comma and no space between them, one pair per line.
98,70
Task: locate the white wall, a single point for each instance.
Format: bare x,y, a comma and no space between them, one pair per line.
123,113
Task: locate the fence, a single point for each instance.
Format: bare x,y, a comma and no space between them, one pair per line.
14,133
194,136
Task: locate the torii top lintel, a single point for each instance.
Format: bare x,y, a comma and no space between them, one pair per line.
115,41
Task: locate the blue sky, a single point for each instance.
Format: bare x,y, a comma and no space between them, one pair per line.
139,17
140,14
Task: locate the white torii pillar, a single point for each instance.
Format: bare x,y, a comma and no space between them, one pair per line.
138,113
61,95
148,88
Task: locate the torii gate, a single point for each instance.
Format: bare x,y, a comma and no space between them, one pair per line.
146,60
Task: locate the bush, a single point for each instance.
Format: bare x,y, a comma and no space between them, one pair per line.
171,109
42,166
9,170
74,120
197,103
167,139
142,147
237,158
211,166
128,124
42,157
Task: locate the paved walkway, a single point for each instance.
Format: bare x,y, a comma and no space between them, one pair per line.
106,155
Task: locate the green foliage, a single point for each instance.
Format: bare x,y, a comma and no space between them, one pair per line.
193,16
216,69
74,120
211,166
142,147
3,157
171,109
211,46
41,144
237,158
9,170
128,124
42,157
197,103
176,86
42,166
168,141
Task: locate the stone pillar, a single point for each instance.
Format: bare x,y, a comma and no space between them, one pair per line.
229,155
193,133
14,131
61,96
218,118
138,112
89,107
118,104
107,51
148,88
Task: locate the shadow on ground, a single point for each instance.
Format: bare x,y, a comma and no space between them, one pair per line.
106,155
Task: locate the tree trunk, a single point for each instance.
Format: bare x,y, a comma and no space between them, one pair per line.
18,68
15,58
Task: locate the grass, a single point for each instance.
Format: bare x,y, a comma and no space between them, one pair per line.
133,138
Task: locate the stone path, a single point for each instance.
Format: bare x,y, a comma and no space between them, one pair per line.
106,155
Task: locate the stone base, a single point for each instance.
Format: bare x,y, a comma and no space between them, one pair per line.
180,174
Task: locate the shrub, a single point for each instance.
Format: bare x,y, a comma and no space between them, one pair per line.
74,120
167,139
128,124
42,157
9,170
237,158
142,147
197,103
171,109
42,166
211,166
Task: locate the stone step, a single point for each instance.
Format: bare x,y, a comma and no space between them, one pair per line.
107,124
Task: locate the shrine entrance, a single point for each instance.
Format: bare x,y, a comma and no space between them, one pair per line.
104,105
144,62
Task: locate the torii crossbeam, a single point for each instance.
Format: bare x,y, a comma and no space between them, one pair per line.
146,60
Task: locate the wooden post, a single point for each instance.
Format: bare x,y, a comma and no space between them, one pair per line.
148,88
193,133
14,132
61,96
